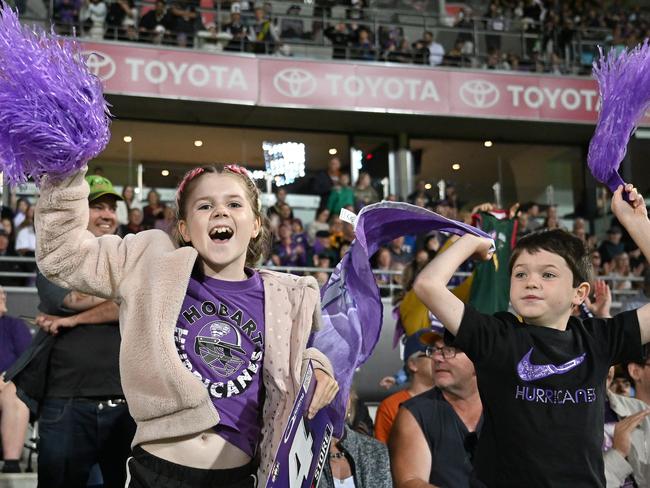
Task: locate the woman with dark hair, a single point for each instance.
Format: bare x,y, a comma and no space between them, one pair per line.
22,205
129,201
26,235
320,223
364,193
154,210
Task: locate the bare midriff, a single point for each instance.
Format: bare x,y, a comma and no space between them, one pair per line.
204,450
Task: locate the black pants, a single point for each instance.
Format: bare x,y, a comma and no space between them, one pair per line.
147,471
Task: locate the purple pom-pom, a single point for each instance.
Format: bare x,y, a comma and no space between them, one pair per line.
624,83
53,116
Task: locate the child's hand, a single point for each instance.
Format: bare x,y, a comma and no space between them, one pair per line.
628,213
482,247
326,390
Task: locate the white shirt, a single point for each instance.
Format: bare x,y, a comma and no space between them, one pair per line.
346,483
96,12
26,239
436,53
18,219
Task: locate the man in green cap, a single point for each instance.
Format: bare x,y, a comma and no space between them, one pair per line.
84,419
103,206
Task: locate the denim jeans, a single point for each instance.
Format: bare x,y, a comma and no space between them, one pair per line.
75,434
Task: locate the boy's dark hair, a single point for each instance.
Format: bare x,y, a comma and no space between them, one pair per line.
559,242
640,361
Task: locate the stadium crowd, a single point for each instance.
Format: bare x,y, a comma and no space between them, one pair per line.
67,371
552,36
324,240
404,420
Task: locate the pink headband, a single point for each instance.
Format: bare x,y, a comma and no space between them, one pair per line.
189,176
235,168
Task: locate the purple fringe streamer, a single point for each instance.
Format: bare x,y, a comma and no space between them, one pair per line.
53,116
624,83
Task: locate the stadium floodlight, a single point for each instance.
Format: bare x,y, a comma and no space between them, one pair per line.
284,161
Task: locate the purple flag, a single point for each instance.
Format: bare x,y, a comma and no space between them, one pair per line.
351,305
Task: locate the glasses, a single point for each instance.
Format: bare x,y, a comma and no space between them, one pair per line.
447,352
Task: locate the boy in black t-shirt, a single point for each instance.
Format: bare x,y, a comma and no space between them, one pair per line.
541,378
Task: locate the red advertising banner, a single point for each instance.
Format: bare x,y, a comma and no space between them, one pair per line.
484,94
349,86
174,73
371,87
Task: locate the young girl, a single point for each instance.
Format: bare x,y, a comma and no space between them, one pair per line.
212,350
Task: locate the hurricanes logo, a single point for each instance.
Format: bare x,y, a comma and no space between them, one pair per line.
215,343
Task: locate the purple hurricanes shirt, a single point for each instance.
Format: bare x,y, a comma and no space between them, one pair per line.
220,338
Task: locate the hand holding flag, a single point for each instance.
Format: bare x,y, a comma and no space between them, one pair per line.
351,304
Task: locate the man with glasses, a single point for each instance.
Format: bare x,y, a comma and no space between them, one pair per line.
419,368
435,433
627,430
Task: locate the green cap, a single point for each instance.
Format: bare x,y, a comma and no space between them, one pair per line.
100,186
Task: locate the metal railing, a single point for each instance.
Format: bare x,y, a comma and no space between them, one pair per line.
520,38
389,290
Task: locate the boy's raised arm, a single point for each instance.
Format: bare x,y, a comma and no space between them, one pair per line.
431,284
634,217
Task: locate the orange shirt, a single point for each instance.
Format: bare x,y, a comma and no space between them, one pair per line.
386,414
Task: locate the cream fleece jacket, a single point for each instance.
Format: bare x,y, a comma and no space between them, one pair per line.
148,275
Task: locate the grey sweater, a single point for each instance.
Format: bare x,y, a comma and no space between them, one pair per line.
368,459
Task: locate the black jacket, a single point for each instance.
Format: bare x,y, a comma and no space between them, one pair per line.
29,372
